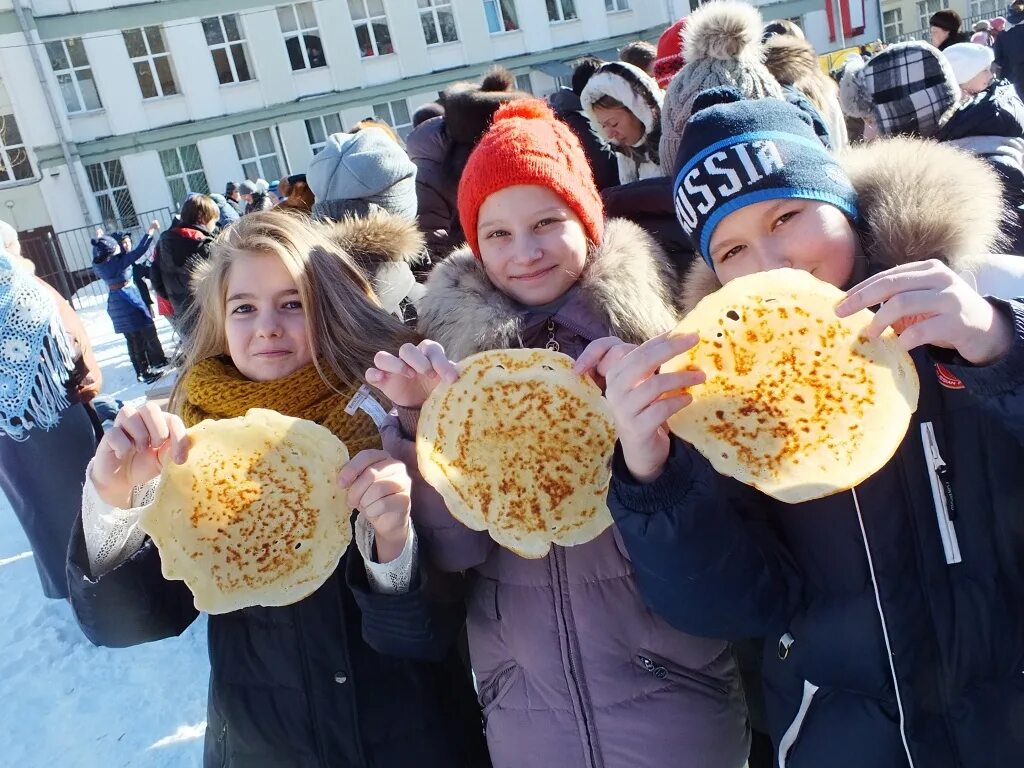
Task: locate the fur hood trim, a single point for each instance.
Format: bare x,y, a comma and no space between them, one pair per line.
727,30
918,200
469,108
632,87
790,59
628,283
377,239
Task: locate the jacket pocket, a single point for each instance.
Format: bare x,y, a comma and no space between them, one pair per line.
792,734
666,670
495,689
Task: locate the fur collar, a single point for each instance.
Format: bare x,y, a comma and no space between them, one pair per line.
918,200
377,239
626,285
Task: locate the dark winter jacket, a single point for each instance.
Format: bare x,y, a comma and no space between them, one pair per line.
125,305
178,250
648,203
260,202
991,125
567,106
1009,53
877,641
573,670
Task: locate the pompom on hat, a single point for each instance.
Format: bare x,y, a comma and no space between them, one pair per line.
527,144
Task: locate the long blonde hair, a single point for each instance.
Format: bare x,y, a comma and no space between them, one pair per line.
344,319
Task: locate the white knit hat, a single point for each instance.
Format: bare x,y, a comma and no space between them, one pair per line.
969,59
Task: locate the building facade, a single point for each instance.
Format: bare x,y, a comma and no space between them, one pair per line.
902,18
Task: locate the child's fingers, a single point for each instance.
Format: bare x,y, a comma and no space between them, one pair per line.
388,363
885,285
381,489
655,415
132,425
934,331
414,358
358,465
594,353
644,361
119,443
155,422
914,304
656,388
439,361
180,443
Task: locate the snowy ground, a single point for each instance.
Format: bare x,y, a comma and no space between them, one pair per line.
64,702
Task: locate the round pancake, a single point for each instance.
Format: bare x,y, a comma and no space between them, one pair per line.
255,516
797,402
520,446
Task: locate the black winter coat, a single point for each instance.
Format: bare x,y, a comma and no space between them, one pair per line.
177,252
307,685
1009,53
567,106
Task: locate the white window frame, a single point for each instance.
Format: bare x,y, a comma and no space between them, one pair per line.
616,6
429,10
320,121
75,74
228,47
258,159
925,9
150,60
301,33
184,176
983,8
121,219
892,28
368,21
500,14
13,153
561,8
385,112
525,84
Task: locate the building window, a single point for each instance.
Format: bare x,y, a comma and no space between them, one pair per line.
501,16
925,9
523,84
152,62
301,36
985,8
371,25
395,114
110,189
258,154
319,128
438,22
892,24
561,10
14,162
228,48
616,5
183,169
74,75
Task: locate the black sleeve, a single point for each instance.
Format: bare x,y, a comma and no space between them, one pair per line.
129,605
421,624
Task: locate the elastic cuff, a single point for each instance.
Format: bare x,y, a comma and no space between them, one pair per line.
408,419
1006,373
646,498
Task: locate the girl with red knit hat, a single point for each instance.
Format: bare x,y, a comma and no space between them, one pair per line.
573,669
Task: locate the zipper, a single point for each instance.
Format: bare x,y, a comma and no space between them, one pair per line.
576,689
663,670
307,679
942,494
551,343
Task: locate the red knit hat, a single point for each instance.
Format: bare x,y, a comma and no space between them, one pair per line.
527,144
670,53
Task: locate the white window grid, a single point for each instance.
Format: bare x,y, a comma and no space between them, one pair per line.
396,114
925,9
257,153
320,127
984,8
70,64
501,16
148,53
524,84
438,21
301,36
370,21
14,161
110,189
561,10
612,6
892,23
228,48
183,169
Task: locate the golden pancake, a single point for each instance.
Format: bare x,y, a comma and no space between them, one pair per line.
255,516
797,402
521,447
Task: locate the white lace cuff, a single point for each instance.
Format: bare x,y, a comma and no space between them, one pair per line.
394,578
112,535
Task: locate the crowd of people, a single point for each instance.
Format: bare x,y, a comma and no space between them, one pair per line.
711,625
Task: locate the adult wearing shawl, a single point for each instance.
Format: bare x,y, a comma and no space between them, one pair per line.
44,426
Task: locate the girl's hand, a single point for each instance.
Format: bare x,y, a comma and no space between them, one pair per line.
380,487
408,379
641,399
927,303
135,450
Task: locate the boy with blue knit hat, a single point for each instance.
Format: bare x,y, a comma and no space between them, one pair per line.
881,648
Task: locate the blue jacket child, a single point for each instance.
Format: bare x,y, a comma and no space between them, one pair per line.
884,645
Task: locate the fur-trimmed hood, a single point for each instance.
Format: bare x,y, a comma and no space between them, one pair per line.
630,86
790,59
625,289
918,200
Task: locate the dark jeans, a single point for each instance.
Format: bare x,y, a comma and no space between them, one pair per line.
144,350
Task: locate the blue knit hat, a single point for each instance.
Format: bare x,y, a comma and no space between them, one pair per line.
104,248
738,152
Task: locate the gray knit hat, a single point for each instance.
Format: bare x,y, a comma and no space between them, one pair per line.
721,46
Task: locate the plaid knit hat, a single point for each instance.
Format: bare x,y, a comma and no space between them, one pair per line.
721,46
736,152
905,89
527,144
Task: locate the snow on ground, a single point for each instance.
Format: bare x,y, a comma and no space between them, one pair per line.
64,702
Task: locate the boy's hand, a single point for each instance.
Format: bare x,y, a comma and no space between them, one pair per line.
409,378
927,303
380,487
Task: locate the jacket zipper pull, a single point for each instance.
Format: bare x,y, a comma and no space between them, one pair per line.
942,494
552,343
